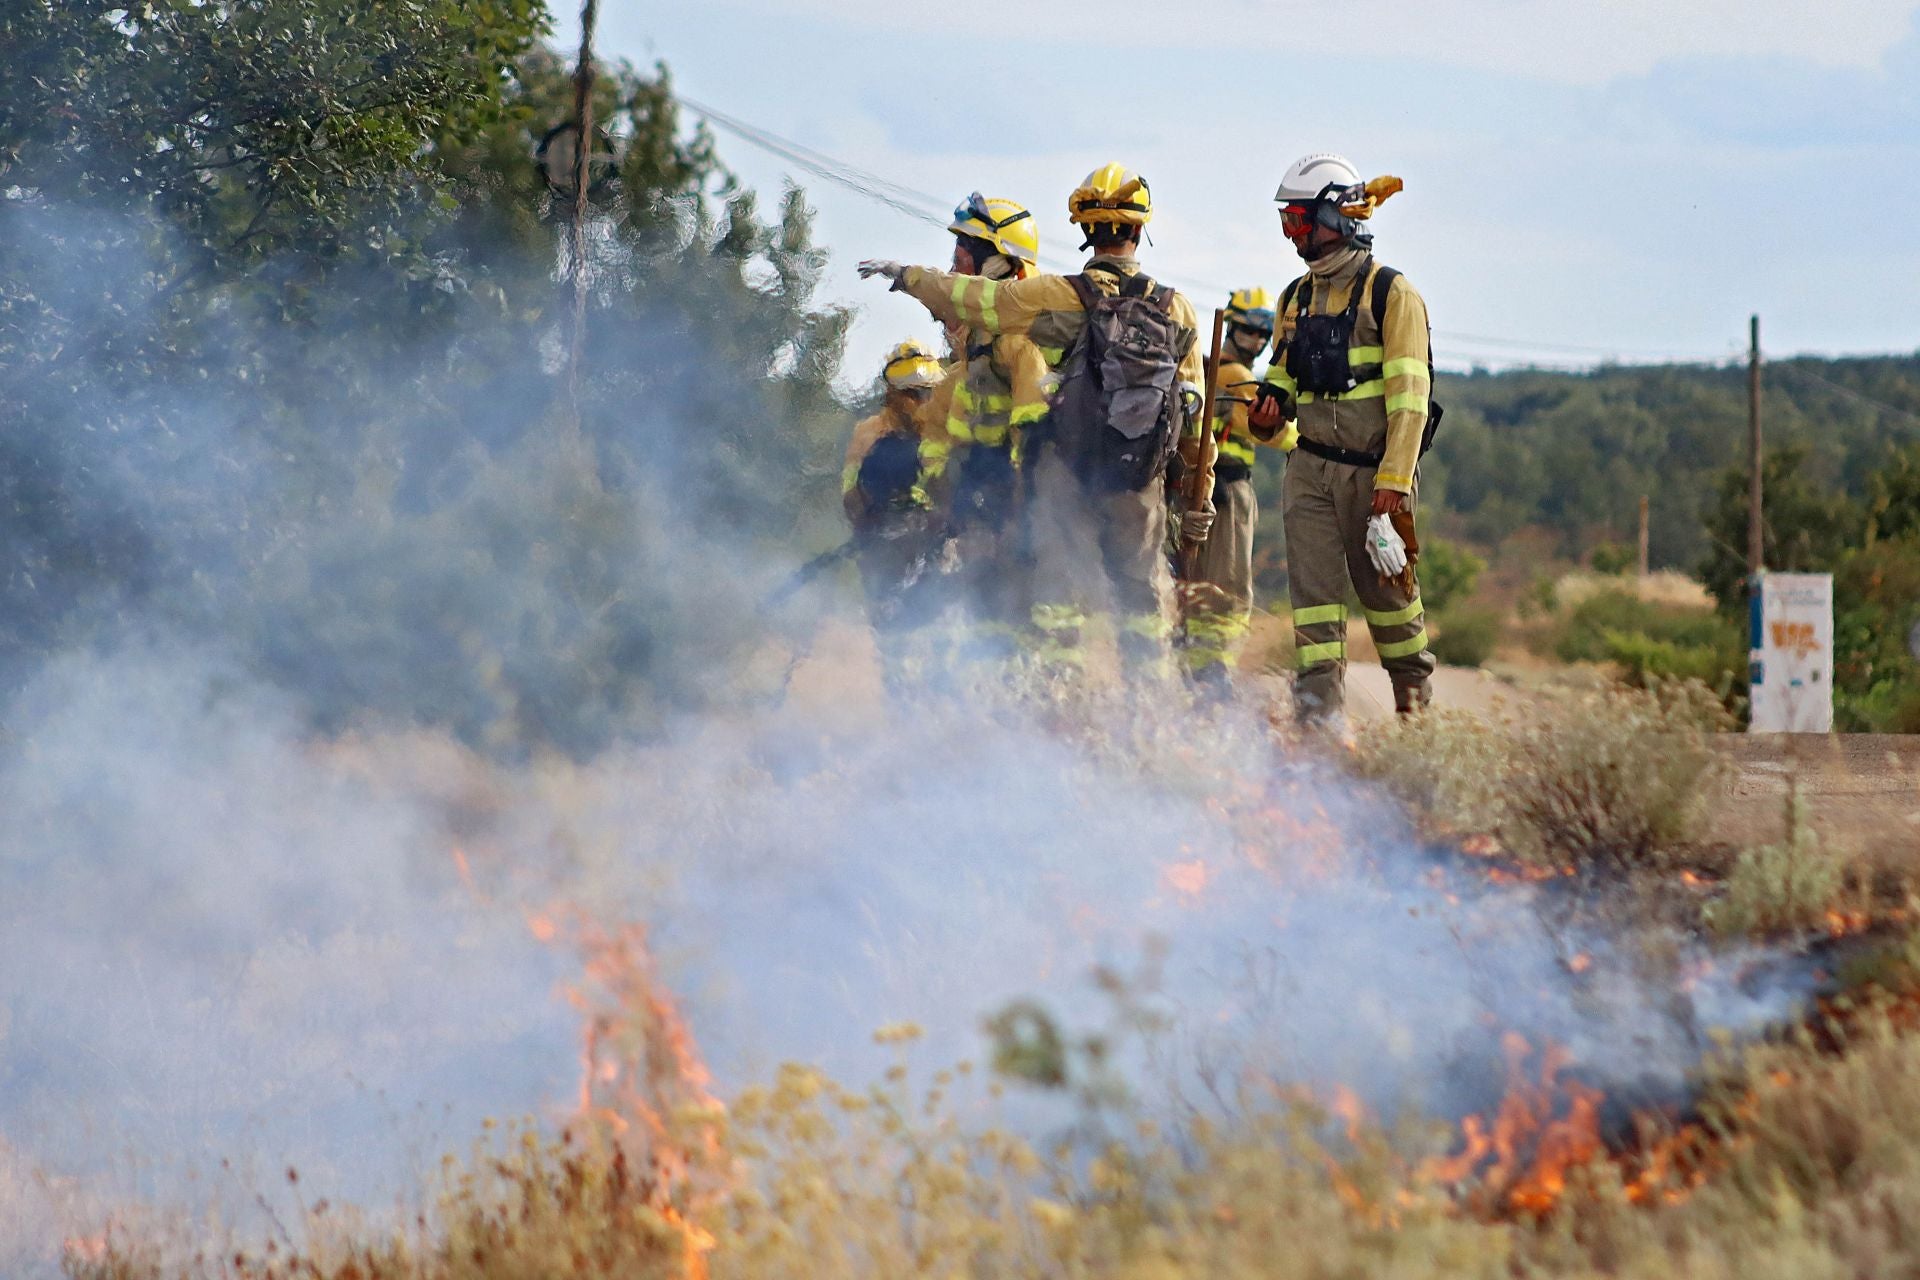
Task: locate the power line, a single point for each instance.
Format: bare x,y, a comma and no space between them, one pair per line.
1861,396
929,209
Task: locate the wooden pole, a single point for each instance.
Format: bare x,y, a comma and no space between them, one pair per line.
1756,539
1200,484
1645,542
577,244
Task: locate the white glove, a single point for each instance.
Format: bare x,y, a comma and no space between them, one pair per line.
882,267
1385,548
1196,524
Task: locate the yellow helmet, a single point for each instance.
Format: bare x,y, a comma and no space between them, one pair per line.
910,367
1252,308
1007,226
1114,194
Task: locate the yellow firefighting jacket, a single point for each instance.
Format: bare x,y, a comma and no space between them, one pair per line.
1043,308
1385,414
988,398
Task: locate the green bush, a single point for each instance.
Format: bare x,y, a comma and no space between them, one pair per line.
1448,573
1613,558
1541,598
1876,682
1465,637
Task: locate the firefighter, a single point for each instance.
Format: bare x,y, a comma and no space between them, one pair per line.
1219,599
1098,517
992,395
893,529
1352,371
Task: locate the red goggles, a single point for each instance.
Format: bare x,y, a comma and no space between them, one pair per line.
1296,220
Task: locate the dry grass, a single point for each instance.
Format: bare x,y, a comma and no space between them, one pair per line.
1815,1172
1599,778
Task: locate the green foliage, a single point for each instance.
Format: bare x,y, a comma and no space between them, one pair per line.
1613,558
1806,524
1573,452
1466,637
1588,632
1876,606
283,359
1448,572
1541,598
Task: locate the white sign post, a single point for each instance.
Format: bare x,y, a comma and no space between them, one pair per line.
1791,653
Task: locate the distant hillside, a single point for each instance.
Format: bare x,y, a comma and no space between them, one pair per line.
1573,452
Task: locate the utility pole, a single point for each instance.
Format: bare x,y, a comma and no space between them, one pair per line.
582,153
1645,542
1756,540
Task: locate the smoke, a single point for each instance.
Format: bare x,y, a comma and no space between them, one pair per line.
286,656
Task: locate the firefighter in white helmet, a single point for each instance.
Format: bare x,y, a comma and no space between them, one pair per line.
1352,371
992,395
1098,518
1219,596
881,489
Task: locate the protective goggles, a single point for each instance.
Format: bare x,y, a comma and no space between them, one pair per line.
1296,219
975,210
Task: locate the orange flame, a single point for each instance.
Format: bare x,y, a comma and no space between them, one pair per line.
643,1083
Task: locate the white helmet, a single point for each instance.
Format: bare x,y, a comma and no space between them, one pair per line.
1309,178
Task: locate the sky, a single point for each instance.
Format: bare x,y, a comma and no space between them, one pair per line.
1626,180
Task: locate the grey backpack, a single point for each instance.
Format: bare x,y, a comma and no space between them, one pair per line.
1116,419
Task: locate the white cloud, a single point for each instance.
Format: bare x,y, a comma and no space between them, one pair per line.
1555,40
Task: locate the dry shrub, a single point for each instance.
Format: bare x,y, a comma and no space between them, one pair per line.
1617,777
1787,886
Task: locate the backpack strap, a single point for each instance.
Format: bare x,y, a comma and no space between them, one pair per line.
1286,297
1085,290
1359,286
1382,285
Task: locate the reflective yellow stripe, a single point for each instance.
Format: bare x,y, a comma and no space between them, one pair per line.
1403,648
1277,375
1387,480
1308,655
1057,617
849,477
1237,451
958,429
991,434
1406,367
960,295
995,404
1052,355
1366,355
962,397
1398,616
1319,613
989,296
1154,626
1365,391
1026,414
1409,402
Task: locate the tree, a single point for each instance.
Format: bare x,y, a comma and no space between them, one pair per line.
1806,527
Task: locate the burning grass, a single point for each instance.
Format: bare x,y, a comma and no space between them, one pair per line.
1803,1160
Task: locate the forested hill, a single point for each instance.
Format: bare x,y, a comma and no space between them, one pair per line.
1573,452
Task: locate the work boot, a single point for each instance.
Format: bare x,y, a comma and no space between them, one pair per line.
1411,699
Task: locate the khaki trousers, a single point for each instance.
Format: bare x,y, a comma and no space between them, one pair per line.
1327,508
1097,553
1220,612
